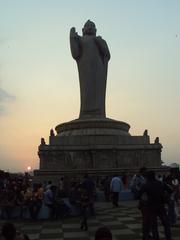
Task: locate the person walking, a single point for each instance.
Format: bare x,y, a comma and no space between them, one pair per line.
89,185
84,204
116,186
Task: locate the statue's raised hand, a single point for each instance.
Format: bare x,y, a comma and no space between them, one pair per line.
73,33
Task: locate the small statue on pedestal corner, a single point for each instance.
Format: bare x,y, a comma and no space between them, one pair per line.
156,140
52,133
145,132
43,141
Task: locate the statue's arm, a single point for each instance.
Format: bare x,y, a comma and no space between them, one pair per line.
103,47
74,43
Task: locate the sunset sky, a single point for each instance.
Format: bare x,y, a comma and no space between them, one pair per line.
39,85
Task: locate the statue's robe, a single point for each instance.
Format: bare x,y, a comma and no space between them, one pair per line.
92,55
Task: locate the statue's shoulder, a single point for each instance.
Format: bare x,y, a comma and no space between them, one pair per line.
99,38
100,41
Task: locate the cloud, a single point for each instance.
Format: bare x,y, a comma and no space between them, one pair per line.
5,98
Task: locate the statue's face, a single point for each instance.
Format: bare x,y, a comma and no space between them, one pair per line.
89,28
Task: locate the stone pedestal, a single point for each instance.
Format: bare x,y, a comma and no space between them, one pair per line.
97,145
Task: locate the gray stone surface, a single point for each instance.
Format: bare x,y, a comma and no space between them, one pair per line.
93,127
95,157
92,55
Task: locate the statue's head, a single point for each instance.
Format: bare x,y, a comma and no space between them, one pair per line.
89,28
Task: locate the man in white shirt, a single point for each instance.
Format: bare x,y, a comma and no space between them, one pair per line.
116,186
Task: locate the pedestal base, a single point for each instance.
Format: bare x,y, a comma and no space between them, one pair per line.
97,144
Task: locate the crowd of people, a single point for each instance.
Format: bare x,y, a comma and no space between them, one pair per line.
158,197
21,198
17,192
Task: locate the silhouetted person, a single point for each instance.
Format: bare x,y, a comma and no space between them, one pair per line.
84,204
89,185
8,231
103,233
106,188
138,181
154,191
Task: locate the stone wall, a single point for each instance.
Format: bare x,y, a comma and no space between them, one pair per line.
99,158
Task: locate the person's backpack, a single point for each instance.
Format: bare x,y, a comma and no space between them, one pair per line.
137,182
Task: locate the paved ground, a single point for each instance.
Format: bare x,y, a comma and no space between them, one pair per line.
124,222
